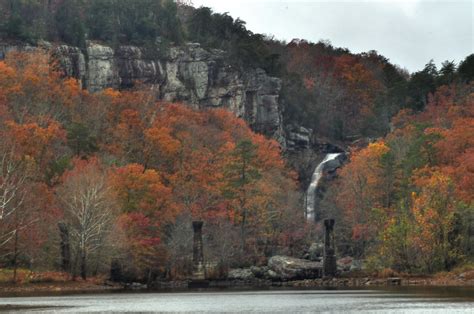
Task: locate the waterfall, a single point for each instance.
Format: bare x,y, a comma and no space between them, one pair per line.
311,192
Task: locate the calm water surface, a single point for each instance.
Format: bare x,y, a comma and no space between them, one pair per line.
401,300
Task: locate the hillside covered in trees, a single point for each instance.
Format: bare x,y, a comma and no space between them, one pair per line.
407,199
120,175
338,94
132,191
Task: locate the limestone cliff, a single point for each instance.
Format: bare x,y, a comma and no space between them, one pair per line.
187,73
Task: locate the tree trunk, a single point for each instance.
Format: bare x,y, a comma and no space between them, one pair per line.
65,247
83,264
15,255
242,233
74,267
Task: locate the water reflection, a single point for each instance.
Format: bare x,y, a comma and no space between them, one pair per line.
392,300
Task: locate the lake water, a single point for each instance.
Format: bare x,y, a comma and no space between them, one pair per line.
400,300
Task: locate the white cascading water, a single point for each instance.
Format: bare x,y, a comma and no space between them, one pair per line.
311,192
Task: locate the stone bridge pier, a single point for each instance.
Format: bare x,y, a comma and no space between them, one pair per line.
329,257
199,271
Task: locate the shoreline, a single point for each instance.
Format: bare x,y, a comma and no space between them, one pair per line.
56,288
81,287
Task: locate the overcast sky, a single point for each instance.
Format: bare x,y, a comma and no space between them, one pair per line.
408,32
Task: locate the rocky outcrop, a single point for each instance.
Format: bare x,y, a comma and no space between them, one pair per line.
203,78
133,66
298,138
72,61
6,48
102,69
290,268
333,164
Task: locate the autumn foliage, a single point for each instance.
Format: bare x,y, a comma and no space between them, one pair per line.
344,96
89,180
408,198
124,175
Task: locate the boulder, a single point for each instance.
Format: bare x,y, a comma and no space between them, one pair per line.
240,274
136,286
333,164
290,268
258,272
344,264
271,275
348,263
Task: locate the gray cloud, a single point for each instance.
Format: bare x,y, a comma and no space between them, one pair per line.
409,33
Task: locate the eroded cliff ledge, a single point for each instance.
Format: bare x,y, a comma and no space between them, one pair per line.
191,74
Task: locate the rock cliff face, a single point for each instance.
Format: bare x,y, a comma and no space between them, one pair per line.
188,73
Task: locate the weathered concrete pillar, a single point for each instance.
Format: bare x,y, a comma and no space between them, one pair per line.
199,272
329,258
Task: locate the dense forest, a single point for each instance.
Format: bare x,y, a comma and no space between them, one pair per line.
343,96
407,198
127,175
120,176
